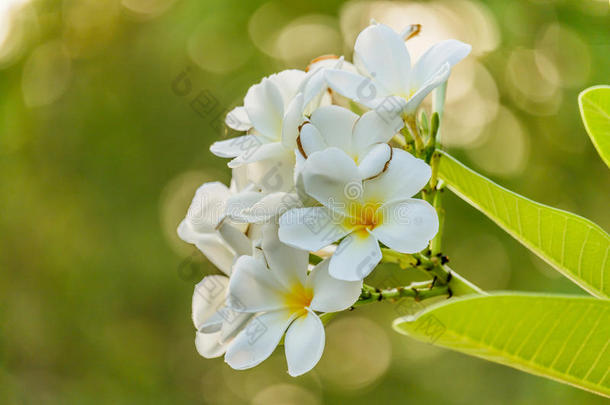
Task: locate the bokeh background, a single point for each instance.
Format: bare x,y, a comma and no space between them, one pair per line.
102,146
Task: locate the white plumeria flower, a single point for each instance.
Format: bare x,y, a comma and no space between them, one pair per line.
315,89
386,79
285,298
267,195
365,139
200,226
271,113
208,223
365,212
215,323
221,241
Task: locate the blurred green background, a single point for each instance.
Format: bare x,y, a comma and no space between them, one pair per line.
101,152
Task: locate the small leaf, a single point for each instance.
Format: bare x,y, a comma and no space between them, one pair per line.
573,245
594,105
566,339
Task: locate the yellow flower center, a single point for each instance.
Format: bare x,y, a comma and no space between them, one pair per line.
407,96
364,216
298,298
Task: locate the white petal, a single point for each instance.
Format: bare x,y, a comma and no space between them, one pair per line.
288,264
330,62
311,228
250,175
311,139
260,152
407,225
188,234
288,83
208,296
235,238
217,252
335,124
270,206
207,208
239,179
238,119
357,255
255,233
209,345
238,146
373,127
240,202
304,344
214,323
258,340
306,200
384,55
275,173
329,293
292,120
375,161
253,287
313,86
439,77
265,106
406,176
211,245
450,51
356,87
332,177
390,108
233,323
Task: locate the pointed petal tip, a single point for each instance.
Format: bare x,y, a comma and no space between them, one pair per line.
235,163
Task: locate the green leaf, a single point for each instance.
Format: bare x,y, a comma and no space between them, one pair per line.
594,105
573,245
563,338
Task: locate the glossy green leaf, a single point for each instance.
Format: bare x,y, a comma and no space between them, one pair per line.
563,338
573,245
594,105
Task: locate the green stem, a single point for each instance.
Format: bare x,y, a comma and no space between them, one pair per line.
437,203
430,192
411,126
417,291
434,166
436,266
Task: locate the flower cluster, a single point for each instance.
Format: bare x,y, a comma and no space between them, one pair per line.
316,173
